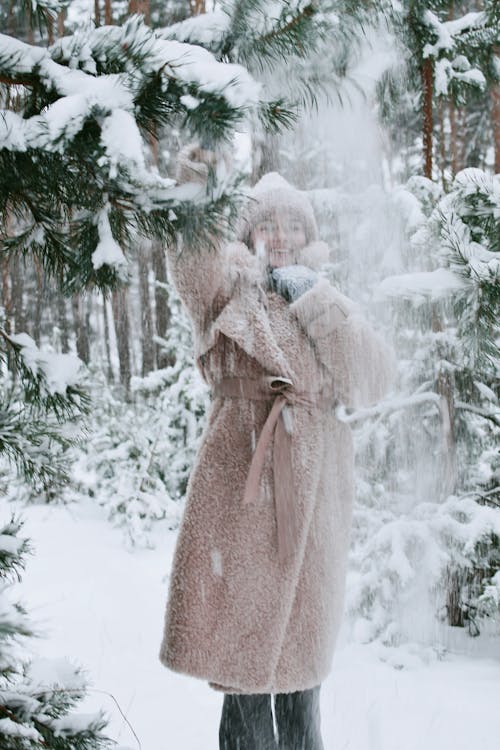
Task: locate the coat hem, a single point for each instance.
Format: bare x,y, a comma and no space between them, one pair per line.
218,684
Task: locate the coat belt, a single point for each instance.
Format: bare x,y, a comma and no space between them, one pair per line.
282,393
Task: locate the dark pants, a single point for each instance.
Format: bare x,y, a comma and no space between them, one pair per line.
247,722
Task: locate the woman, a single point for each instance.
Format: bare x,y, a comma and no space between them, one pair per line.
256,589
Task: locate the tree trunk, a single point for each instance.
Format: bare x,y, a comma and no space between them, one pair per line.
8,306
62,320
17,281
97,13
50,30
442,144
60,22
141,7
454,610
427,120
197,7
461,138
495,119
445,388
122,329
147,344
82,338
6,295
108,12
37,317
163,359
453,138
107,344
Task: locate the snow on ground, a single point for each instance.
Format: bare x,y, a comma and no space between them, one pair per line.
102,606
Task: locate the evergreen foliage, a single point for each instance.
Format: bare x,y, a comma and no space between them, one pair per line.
450,54
41,402
424,537
80,187
143,449
37,698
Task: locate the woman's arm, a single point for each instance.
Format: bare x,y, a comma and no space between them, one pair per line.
200,276
362,366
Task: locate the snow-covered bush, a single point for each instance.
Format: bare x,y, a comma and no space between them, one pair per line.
426,531
140,452
38,697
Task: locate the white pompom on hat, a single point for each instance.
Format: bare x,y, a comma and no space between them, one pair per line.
272,193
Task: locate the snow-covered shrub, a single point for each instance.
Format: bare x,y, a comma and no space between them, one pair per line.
402,563
38,697
425,540
137,459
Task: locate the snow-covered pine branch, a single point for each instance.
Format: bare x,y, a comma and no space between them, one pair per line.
92,98
458,50
40,408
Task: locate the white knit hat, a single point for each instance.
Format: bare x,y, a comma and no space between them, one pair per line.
273,193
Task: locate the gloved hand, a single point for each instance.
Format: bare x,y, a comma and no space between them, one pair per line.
293,281
195,161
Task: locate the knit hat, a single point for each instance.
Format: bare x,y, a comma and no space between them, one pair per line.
273,193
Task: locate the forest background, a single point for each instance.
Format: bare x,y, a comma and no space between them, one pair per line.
388,115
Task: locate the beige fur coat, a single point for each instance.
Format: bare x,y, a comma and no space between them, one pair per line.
237,615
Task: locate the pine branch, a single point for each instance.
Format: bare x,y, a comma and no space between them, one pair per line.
13,550
477,410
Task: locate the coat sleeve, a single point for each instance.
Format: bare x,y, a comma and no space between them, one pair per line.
362,366
200,277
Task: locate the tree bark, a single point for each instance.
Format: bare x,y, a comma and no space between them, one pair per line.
161,303
97,13
445,388
6,295
37,317
454,610
197,7
442,143
60,22
108,12
17,281
495,120
122,329
62,320
50,30
453,137
81,330
141,7
107,344
147,344
427,119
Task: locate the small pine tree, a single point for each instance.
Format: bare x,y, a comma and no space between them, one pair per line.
38,697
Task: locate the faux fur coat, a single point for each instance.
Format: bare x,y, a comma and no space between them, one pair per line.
237,614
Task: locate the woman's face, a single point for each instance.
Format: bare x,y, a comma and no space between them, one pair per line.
279,238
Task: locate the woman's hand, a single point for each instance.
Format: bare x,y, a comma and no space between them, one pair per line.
193,164
293,281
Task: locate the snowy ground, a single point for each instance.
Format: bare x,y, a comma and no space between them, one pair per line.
103,606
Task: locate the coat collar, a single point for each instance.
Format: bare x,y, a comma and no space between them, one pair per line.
244,318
